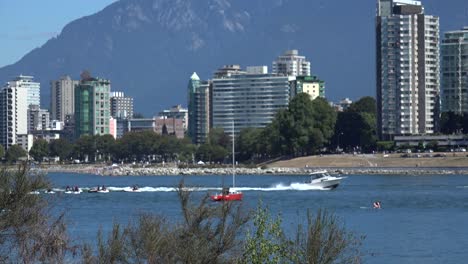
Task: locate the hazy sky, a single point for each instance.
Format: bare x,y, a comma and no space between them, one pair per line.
27,24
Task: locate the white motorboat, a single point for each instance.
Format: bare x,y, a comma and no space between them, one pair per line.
324,180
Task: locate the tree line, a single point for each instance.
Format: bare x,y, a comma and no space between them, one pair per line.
207,233
305,127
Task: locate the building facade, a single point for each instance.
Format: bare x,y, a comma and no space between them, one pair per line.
141,124
92,107
38,119
310,85
121,105
198,109
454,71
62,98
291,64
33,88
13,113
177,112
248,100
170,126
407,69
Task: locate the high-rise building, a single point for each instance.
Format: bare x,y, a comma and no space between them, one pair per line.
92,107
198,109
291,64
62,98
177,112
454,71
248,100
407,68
13,113
38,119
121,105
34,88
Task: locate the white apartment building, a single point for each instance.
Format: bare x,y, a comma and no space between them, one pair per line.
121,105
407,69
34,88
291,64
62,98
248,99
13,113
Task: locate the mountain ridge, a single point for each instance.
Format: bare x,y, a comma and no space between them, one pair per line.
149,48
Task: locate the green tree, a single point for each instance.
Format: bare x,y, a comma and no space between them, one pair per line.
14,153
105,145
2,152
60,148
248,144
451,123
28,233
266,242
326,241
39,150
357,126
366,104
325,119
217,136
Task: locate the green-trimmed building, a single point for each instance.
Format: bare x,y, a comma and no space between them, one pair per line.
310,85
92,107
198,109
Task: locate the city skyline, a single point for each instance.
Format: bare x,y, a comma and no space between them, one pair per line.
329,59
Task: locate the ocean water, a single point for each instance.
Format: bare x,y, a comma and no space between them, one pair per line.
423,218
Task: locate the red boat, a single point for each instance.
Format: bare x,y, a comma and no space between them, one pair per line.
227,195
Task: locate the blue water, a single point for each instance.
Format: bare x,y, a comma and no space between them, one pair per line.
423,219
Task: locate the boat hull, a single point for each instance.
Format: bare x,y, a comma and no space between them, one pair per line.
227,197
328,184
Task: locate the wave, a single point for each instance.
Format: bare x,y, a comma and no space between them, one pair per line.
273,188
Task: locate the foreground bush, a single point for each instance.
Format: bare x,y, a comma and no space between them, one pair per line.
28,232
208,233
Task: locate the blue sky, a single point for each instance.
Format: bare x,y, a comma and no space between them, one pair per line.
27,24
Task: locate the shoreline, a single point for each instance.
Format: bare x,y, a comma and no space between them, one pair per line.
173,171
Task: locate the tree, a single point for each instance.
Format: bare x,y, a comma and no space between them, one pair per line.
28,233
366,104
451,123
60,148
14,153
105,145
39,150
2,152
266,242
326,241
248,143
357,126
85,148
217,136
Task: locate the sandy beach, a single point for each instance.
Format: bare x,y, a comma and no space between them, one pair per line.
416,164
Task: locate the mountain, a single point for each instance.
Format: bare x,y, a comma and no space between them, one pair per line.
149,48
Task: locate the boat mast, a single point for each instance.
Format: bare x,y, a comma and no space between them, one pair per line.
233,158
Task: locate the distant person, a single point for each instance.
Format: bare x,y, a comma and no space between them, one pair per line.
103,188
67,189
377,205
